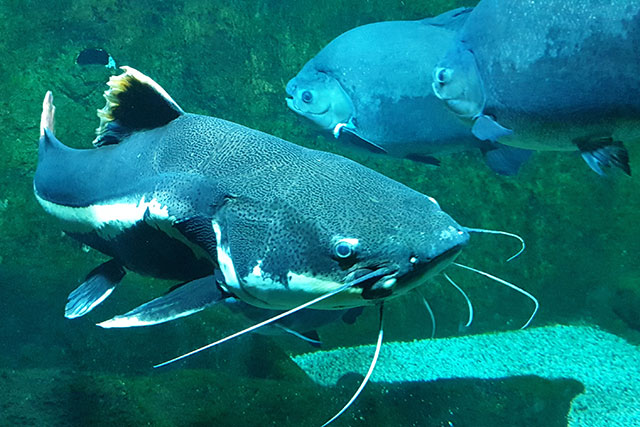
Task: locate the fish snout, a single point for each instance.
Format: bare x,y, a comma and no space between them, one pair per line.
298,100
449,243
432,255
291,91
289,102
412,265
291,87
453,237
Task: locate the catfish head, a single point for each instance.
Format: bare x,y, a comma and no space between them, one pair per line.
340,224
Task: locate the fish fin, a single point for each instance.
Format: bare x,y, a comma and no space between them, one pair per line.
98,285
311,337
348,126
134,102
453,19
505,160
422,158
603,151
183,300
487,129
357,141
47,117
351,315
338,129
48,141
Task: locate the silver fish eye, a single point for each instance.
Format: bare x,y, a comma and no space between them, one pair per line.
306,96
442,75
345,248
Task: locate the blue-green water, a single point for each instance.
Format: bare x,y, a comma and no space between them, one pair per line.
232,60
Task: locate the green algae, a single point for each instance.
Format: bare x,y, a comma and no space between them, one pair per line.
232,60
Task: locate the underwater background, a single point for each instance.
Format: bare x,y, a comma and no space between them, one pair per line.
232,60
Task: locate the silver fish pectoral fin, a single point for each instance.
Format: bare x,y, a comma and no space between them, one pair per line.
601,152
486,128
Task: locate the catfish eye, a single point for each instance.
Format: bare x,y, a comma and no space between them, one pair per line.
307,96
442,75
345,248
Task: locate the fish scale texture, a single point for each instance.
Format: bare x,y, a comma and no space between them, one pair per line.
605,364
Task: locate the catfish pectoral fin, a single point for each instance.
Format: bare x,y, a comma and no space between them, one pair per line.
183,300
98,285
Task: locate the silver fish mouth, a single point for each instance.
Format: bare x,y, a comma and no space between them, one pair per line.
291,103
437,87
289,100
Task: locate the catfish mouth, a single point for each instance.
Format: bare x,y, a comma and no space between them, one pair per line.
381,282
375,283
436,264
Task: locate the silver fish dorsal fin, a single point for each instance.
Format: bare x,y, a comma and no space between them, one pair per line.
134,102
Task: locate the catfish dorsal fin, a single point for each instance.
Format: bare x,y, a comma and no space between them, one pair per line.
134,102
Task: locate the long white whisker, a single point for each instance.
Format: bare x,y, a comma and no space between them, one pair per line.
366,377
433,318
504,233
259,325
512,286
465,297
298,335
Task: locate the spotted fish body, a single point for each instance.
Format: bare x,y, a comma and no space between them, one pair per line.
548,75
218,205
